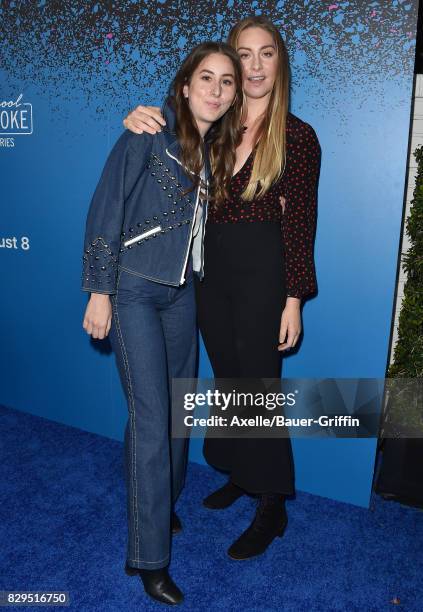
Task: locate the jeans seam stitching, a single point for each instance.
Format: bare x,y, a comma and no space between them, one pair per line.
132,418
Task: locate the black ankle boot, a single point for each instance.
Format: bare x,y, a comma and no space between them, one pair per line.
223,497
158,584
270,521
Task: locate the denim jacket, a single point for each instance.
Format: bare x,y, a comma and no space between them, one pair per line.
139,218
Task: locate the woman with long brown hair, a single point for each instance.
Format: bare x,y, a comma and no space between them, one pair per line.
259,266
143,244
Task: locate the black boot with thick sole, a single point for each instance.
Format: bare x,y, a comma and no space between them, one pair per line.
270,521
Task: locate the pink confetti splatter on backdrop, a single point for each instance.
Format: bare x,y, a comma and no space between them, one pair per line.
85,35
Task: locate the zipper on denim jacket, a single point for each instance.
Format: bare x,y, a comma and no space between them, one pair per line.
181,282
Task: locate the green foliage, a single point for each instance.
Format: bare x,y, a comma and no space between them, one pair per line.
408,353
405,385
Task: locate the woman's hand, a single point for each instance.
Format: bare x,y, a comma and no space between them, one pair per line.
144,119
290,324
98,316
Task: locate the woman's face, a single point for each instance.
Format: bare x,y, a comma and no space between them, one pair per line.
257,51
211,90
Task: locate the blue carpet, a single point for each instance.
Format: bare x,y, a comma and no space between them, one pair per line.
63,527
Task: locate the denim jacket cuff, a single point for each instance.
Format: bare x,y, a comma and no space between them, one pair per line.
99,267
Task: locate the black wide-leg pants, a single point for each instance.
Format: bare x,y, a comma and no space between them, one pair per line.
239,307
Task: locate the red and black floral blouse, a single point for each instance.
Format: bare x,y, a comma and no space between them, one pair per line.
298,185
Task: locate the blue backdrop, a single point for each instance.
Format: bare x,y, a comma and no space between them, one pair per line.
79,69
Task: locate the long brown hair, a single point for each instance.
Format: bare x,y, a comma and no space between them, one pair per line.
270,141
223,137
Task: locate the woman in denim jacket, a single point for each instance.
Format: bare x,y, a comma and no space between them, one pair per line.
143,242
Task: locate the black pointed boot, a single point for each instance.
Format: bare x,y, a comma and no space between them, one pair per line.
269,522
158,584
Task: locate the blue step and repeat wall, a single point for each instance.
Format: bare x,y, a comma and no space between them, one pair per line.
69,72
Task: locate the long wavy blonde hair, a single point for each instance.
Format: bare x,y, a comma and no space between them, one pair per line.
270,140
